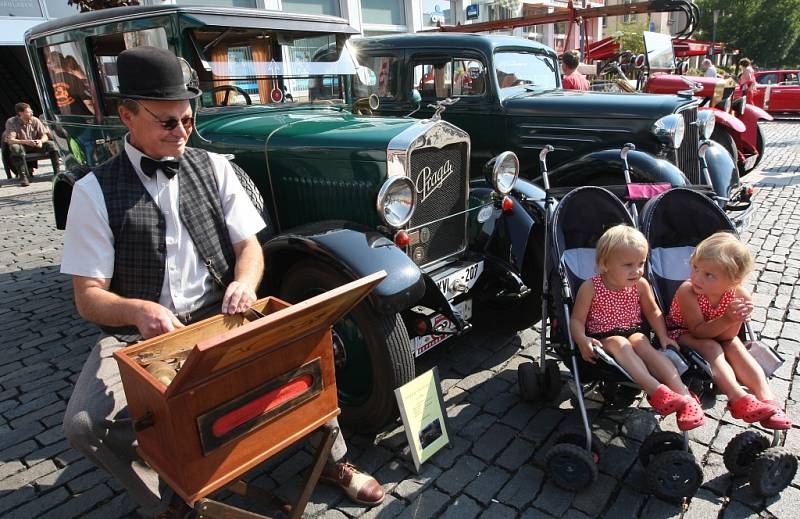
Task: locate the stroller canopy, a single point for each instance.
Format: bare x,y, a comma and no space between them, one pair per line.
581,217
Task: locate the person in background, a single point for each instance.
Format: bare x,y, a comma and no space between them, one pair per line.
25,134
572,80
747,79
709,70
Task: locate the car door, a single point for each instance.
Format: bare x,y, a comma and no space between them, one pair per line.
785,96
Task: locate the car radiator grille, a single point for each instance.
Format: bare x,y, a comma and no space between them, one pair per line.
439,221
687,153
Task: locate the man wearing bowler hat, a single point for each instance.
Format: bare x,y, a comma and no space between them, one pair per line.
159,236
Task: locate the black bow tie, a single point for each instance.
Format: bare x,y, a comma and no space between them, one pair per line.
169,167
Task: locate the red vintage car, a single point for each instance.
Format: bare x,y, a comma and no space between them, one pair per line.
736,120
777,90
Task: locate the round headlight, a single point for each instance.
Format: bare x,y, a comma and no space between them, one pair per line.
396,201
705,123
503,172
669,130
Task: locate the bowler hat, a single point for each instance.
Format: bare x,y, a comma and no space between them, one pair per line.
152,73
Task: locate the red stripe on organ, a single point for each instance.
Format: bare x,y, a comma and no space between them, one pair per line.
261,405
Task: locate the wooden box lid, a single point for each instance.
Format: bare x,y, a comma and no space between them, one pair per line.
214,355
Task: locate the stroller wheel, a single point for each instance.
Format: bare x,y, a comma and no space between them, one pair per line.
528,380
577,437
743,450
772,471
658,443
570,467
673,475
552,379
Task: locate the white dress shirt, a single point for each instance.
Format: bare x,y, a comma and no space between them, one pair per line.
89,242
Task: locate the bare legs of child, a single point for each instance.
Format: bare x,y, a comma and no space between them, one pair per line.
658,377
732,367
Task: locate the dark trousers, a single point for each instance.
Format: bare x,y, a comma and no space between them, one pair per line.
19,155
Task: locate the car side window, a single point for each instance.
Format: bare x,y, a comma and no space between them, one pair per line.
105,50
790,78
385,69
450,77
767,79
70,87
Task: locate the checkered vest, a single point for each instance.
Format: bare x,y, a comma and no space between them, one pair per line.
139,229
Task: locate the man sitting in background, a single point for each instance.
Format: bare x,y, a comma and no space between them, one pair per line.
25,134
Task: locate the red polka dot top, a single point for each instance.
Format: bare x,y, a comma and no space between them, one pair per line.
676,324
613,309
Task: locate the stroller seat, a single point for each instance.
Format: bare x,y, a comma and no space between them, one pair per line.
580,218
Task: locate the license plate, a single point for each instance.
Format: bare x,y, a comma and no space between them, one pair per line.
458,278
440,322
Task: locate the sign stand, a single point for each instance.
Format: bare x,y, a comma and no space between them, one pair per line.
424,419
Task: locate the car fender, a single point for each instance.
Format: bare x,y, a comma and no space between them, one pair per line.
753,113
62,192
722,169
727,120
355,251
644,168
511,228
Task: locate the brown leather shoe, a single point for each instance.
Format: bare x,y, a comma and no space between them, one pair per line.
360,487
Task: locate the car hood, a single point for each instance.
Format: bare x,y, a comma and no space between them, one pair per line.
325,133
593,105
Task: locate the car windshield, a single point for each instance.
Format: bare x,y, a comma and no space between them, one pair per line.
249,66
659,51
520,71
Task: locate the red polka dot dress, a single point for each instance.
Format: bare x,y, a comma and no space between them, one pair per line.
613,312
676,324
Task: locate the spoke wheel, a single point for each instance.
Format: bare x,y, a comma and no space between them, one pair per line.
570,467
772,471
528,380
674,475
373,351
658,443
742,451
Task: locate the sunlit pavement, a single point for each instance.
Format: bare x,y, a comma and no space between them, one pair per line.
494,468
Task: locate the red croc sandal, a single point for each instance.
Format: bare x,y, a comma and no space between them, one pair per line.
779,420
666,401
691,415
750,409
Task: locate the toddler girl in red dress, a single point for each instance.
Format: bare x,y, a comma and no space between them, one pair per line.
608,314
706,315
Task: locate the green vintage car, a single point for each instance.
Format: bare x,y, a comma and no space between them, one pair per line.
347,193
510,97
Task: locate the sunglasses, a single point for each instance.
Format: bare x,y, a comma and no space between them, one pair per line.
170,123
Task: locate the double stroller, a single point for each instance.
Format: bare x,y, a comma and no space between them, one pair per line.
674,222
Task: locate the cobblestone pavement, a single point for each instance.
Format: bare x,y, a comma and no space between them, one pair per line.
494,468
